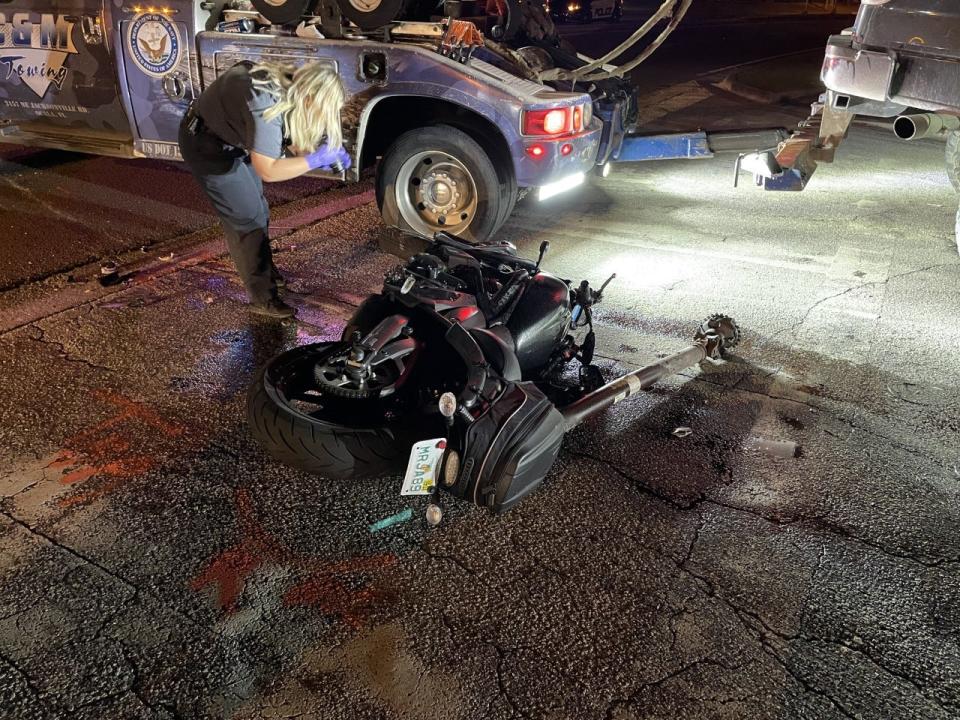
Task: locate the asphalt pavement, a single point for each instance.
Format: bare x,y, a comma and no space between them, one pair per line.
155,563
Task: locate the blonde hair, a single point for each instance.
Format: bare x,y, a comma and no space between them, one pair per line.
309,98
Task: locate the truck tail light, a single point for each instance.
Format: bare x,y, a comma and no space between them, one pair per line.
536,151
557,121
546,122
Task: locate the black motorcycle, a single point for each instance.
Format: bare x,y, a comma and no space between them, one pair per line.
467,356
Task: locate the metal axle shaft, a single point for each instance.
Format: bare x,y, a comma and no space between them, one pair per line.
716,334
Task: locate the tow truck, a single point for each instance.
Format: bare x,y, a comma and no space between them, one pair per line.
461,113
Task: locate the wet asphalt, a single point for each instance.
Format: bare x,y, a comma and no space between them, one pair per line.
154,563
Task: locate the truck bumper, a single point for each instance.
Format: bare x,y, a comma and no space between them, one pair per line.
900,78
547,161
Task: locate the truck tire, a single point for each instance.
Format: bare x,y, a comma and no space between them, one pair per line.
439,178
372,14
319,447
953,159
281,12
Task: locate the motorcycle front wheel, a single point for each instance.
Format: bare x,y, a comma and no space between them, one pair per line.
336,437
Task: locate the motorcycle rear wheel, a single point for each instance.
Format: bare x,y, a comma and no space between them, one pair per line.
339,438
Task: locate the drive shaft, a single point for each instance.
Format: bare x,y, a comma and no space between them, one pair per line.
715,335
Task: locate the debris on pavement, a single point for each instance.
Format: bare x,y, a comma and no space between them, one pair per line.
682,432
108,273
776,448
400,517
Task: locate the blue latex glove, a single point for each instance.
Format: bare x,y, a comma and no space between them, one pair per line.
343,157
323,156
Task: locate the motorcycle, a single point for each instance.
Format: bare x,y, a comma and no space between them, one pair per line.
467,368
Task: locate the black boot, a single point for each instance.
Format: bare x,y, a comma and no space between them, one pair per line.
277,278
274,308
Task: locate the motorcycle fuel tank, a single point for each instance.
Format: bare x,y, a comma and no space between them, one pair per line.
540,320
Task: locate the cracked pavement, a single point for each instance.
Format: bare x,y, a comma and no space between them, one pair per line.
154,563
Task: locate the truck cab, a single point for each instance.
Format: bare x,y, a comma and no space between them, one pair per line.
456,135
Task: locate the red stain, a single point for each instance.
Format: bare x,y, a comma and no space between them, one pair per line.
335,589
105,450
326,590
229,570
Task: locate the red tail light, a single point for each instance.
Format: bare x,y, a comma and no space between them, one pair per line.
536,151
546,122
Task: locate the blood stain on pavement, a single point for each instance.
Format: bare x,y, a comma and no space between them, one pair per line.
336,589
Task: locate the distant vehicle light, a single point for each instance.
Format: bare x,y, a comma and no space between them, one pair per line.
573,7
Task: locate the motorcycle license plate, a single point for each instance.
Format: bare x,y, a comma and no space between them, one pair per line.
423,466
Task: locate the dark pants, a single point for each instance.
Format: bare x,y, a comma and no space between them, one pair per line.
236,191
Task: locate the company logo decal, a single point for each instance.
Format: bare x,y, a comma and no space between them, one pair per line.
34,48
154,44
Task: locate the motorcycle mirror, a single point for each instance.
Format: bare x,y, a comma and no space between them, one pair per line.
544,246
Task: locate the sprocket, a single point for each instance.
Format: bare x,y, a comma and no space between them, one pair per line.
722,325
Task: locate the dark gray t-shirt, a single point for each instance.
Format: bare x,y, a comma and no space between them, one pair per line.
232,109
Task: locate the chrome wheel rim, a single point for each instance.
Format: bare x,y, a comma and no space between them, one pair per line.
434,192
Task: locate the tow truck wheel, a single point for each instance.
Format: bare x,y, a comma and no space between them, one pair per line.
281,12
371,14
439,178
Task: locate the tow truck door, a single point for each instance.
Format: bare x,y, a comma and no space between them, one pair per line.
58,79
157,52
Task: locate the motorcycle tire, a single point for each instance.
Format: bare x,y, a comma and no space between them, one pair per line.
320,447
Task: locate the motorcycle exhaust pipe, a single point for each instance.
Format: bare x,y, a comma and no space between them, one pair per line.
716,335
917,127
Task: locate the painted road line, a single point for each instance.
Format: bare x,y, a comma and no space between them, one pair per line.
401,517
